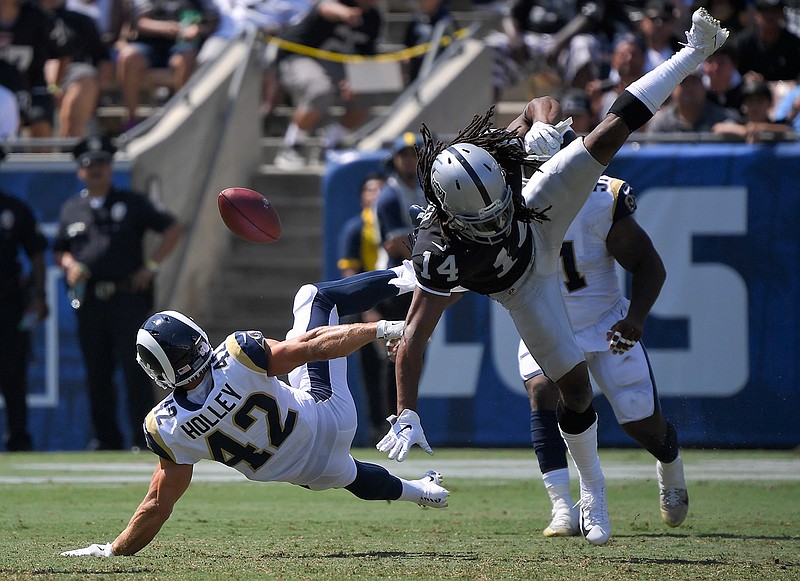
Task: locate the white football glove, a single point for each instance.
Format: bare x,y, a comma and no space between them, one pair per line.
91,551
543,141
406,280
620,344
406,431
389,329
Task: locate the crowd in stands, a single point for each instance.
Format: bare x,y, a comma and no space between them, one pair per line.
62,58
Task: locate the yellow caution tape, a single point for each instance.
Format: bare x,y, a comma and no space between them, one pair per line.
337,57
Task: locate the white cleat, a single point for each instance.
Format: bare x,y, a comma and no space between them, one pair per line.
594,520
434,495
706,34
674,499
564,521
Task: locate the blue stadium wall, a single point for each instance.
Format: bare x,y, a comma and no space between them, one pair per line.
723,339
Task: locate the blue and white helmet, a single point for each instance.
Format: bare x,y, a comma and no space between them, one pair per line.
172,349
472,189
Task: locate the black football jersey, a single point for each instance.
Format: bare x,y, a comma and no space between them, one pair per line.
443,263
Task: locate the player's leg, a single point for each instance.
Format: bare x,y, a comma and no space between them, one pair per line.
629,386
537,309
640,100
373,482
551,452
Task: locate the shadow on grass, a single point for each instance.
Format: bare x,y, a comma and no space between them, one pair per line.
381,555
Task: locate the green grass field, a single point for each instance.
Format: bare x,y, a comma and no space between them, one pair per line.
744,522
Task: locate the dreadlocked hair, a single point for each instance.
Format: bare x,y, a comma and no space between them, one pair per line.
503,145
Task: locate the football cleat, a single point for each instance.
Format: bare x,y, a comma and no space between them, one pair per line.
674,505
673,497
564,521
433,494
706,33
594,520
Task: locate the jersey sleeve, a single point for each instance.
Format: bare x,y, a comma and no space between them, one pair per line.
350,245
249,348
624,200
154,439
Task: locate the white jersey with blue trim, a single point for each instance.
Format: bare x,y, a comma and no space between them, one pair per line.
248,420
588,271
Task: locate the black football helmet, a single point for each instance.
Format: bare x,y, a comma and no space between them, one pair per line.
172,349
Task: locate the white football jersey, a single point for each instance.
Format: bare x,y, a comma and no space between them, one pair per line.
257,424
589,280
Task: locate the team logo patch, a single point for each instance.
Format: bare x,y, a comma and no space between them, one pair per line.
118,211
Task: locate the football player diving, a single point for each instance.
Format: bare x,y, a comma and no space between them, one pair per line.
485,231
228,405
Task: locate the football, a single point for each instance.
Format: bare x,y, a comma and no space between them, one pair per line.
249,215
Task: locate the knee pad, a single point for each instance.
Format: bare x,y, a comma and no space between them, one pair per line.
633,405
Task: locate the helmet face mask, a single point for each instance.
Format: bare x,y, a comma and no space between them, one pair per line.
472,190
172,349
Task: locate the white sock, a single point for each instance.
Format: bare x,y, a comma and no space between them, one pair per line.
333,135
556,483
655,87
671,474
412,490
583,450
294,135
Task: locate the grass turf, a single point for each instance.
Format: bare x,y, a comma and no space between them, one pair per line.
736,530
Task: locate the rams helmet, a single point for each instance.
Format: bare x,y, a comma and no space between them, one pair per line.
473,192
172,349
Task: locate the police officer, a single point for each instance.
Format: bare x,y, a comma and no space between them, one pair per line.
99,246
23,304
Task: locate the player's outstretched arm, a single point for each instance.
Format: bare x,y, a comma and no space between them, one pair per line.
325,343
632,248
168,484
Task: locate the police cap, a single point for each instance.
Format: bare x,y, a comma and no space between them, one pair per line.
93,149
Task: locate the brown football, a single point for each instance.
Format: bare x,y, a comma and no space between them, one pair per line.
249,215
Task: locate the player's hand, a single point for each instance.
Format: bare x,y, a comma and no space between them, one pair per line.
389,329
623,336
405,432
543,140
94,550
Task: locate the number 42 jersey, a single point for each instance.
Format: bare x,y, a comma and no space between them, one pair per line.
241,417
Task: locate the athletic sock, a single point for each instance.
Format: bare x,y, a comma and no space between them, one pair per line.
671,473
583,449
556,483
655,87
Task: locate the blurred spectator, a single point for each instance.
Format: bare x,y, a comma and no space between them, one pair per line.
26,42
564,38
9,114
402,190
788,108
688,109
74,79
23,298
428,15
341,26
100,247
767,49
627,64
575,103
756,125
658,28
358,252
722,79
269,17
112,17
169,33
